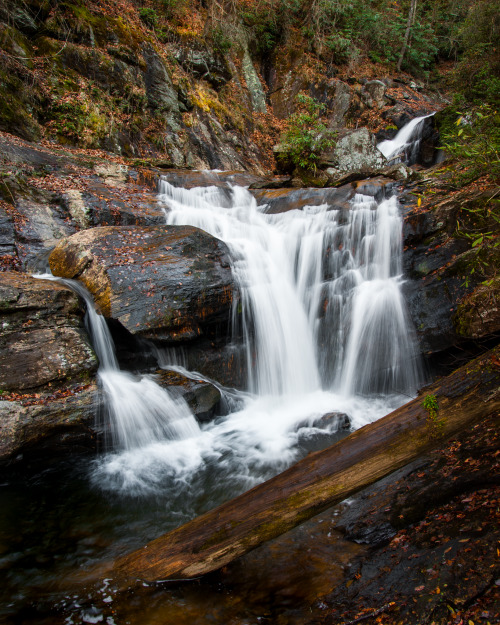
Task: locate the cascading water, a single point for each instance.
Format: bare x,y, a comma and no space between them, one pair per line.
320,304
140,412
405,146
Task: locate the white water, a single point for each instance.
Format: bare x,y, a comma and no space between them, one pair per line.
321,306
406,144
140,412
325,329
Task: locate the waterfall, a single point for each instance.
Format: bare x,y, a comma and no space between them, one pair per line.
324,331
140,411
321,306
406,144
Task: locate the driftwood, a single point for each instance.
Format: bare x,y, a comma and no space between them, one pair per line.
320,480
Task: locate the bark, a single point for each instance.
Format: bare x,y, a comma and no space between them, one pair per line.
411,20
320,480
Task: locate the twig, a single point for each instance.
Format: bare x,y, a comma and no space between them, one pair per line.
384,608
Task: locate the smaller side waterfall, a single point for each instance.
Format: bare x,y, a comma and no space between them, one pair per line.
405,146
140,411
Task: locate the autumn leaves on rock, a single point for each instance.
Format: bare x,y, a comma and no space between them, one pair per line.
166,283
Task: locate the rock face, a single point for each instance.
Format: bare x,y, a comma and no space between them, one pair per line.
47,368
169,283
42,339
446,299
59,425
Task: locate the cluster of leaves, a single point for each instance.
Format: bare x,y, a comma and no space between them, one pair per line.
307,136
474,139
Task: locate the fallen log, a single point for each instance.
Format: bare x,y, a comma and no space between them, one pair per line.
320,480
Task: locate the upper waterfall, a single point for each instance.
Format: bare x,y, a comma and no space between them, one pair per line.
406,144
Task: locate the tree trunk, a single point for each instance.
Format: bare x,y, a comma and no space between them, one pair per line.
411,20
320,480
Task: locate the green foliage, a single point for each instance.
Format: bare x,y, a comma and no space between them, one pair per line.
148,16
307,137
477,75
221,42
436,426
377,29
267,21
474,139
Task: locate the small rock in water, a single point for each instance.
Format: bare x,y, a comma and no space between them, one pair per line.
334,420
92,615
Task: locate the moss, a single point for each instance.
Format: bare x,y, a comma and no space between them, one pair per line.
15,116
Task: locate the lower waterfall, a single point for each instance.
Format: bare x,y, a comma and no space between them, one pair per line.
325,330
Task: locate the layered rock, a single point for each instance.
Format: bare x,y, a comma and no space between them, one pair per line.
42,339
47,367
170,283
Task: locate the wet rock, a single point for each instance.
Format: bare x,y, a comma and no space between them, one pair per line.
276,182
48,424
284,200
170,283
191,179
338,198
42,339
334,420
202,397
218,360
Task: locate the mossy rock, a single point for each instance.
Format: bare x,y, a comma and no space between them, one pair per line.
15,117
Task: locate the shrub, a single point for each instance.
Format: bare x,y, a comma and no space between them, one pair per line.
474,138
148,16
307,136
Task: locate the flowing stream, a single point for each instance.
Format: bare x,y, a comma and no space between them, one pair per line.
405,146
324,329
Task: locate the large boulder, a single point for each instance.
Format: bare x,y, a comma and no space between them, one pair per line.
356,150
169,283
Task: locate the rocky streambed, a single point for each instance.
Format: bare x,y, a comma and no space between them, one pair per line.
364,559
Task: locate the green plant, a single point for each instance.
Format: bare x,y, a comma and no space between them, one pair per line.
148,16
307,136
221,42
430,404
474,139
